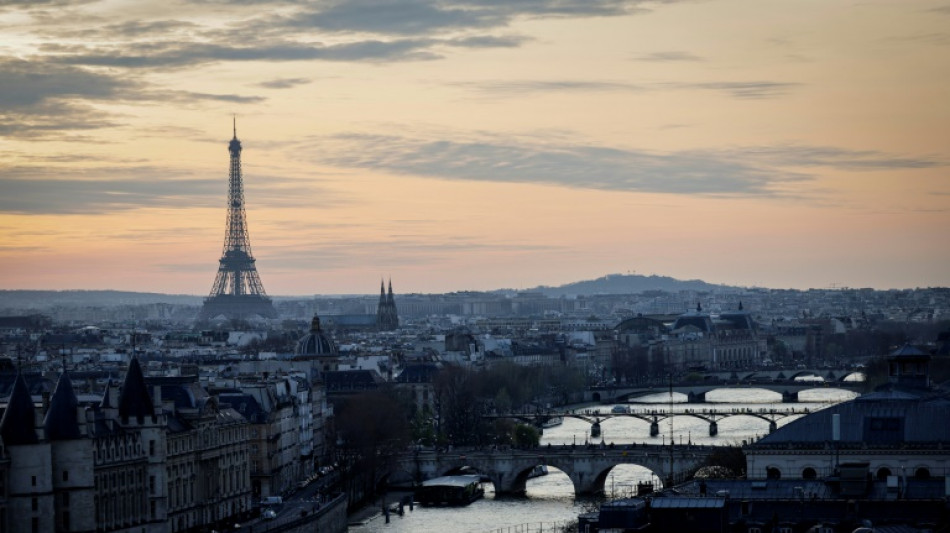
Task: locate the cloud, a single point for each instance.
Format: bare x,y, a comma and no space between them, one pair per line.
436,17
172,55
581,166
129,30
670,56
936,39
283,83
754,171
406,17
30,83
832,157
750,90
747,90
531,86
41,100
397,250
69,189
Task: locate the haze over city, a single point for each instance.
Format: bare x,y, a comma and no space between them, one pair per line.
453,145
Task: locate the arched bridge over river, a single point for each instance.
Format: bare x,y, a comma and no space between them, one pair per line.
654,416
696,393
586,466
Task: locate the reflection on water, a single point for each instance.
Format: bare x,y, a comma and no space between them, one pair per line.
550,500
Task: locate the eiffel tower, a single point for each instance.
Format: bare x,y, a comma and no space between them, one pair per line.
237,292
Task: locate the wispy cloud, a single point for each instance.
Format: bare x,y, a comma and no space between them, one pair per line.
582,166
66,189
39,99
747,90
669,56
752,90
754,171
831,157
283,83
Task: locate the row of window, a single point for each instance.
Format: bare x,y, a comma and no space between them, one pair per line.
811,473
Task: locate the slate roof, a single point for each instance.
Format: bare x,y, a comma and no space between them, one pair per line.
351,380
418,373
245,404
19,418
134,399
880,419
61,422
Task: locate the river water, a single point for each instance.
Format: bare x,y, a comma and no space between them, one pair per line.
550,502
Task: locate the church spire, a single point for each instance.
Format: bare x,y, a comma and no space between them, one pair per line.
18,425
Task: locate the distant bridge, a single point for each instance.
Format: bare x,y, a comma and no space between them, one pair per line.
654,416
696,393
586,466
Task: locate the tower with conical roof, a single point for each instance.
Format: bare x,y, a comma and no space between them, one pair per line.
29,491
72,459
387,319
237,292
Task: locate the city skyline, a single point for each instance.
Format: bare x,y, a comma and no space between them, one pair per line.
475,145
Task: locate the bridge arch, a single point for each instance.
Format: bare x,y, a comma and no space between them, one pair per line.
622,480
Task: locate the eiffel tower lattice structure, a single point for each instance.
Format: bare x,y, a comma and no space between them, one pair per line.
237,292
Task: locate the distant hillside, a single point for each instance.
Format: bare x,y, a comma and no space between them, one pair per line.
628,284
47,299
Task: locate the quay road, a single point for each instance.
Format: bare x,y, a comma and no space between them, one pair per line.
303,502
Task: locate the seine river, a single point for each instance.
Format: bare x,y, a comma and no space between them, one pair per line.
550,500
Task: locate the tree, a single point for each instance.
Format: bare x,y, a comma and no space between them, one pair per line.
373,428
526,436
724,462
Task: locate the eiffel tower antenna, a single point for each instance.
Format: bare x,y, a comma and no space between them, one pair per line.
237,292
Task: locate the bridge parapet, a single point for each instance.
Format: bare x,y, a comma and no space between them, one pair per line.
587,467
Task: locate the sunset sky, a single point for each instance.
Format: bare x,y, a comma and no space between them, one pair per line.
476,144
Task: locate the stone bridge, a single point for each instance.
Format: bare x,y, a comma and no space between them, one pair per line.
587,467
696,393
654,416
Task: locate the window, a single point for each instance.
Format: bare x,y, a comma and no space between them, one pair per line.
65,475
34,504
36,525
151,447
33,480
151,484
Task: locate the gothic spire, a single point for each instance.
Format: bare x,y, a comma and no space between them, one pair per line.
134,399
18,424
61,422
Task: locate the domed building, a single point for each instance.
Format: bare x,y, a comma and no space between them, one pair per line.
318,345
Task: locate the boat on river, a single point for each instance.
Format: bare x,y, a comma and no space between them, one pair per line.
552,422
538,471
450,490
595,428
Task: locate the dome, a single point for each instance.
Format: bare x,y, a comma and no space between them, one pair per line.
316,343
